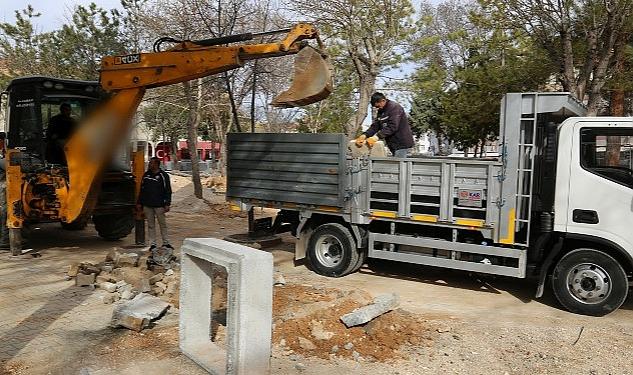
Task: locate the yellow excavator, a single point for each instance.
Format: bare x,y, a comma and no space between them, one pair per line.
86,184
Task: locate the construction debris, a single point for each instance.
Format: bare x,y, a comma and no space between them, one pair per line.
381,305
124,275
108,287
137,313
85,280
279,279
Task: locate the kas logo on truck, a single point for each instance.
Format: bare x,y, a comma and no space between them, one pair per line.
127,59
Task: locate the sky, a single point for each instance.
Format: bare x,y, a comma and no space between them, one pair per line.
54,12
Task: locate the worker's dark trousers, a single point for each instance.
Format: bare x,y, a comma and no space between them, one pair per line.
152,214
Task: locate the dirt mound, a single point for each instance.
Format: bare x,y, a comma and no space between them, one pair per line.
307,321
217,183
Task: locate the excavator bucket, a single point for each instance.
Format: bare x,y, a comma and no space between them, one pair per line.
311,83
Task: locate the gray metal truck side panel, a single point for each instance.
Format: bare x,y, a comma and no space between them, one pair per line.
296,168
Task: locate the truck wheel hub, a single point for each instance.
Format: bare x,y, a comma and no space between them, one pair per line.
589,283
329,250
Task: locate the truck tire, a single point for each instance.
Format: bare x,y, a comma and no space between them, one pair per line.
589,282
113,227
332,250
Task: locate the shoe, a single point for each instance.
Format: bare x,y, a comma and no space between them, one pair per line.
168,246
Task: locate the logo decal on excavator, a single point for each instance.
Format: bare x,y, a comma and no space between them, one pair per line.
127,59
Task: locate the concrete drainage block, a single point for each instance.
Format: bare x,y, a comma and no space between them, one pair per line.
249,306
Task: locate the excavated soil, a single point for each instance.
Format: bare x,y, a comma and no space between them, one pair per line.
307,322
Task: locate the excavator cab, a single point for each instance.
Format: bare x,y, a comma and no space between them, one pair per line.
34,101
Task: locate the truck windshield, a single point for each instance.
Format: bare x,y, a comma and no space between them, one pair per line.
608,152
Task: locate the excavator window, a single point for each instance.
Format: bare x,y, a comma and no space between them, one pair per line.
34,101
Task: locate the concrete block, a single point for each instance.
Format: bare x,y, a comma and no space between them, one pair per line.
85,280
128,294
144,286
156,278
249,306
113,255
87,268
138,312
127,260
110,298
103,278
73,269
362,315
108,287
107,268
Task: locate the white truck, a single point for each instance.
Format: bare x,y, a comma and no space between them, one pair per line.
556,205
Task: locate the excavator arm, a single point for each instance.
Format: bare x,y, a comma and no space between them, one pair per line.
92,146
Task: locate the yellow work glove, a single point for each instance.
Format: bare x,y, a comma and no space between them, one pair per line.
361,140
371,141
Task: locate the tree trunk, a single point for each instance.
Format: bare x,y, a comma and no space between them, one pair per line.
617,109
173,138
192,134
367,84
253,93
229,90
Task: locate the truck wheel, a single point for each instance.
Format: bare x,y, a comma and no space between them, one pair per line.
113,227
589,282
332,250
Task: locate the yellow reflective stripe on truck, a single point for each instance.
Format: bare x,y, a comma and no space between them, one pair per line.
470,222
427,218
509,239
383,214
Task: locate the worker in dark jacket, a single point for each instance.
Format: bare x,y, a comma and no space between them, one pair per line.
391,124
155,200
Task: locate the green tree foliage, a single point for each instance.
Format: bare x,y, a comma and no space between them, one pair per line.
369,33
457,93
22,49
581,37
92,33
74,51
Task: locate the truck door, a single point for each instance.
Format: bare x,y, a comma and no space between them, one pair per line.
600,201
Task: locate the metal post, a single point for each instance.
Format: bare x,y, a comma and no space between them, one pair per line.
15,241
251,222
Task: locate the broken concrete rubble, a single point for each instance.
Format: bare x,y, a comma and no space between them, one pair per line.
127,260
279,279
73,269
110,298
87,268
381,305
108,287
85,280
318,331
128,294
156,278
137,313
